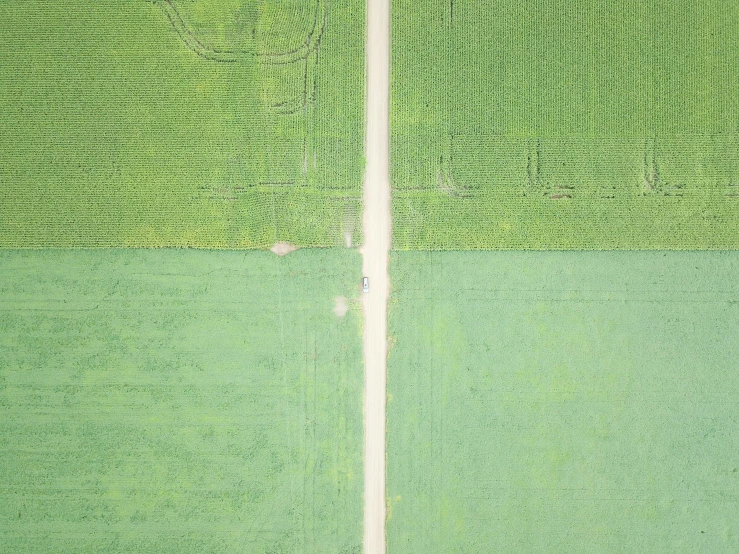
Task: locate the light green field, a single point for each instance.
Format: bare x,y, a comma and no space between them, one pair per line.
184,123
179,401
563,402
558,125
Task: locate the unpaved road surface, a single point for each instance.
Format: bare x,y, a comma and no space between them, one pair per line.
375,252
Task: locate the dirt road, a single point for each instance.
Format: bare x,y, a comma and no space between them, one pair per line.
375,252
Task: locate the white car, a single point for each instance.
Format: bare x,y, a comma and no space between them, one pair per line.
365,284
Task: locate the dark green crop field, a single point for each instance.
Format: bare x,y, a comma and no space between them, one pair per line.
571,402
556,125
174,401
181,123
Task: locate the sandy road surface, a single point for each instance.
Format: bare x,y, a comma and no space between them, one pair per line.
375,252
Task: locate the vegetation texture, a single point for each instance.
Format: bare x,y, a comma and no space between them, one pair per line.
563,402
180,123
557,125
179,401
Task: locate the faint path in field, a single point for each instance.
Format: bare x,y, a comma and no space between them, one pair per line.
375,266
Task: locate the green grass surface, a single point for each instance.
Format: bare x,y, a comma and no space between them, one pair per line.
183,123
563,402
179,401
560,125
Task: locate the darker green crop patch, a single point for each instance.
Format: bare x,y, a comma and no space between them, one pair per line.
158,123
565,125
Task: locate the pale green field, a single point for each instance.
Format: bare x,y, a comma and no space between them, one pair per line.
179,401
563,402
192,123
565,125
